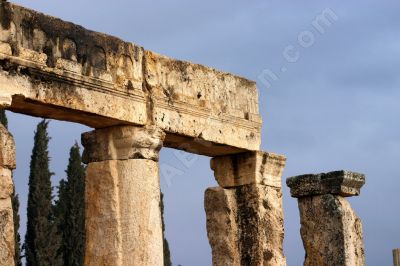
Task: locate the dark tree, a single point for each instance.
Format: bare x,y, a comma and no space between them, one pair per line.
60,212
3,118
40,235
17,236
15,206
167,253
70,211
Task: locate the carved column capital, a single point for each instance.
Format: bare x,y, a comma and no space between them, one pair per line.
244,215
343,183
330,229
122,143
253,167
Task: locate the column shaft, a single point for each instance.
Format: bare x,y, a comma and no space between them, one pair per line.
7,164
330,229
123,218
245,221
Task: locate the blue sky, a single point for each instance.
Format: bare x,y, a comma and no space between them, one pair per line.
336,107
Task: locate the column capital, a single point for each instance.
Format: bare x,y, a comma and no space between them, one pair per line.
7,151
122,143
343,183
253,167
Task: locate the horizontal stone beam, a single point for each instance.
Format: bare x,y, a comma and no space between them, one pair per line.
343,183
55,69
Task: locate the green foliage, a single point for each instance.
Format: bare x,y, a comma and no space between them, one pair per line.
167,253
17,237
69,211
40,239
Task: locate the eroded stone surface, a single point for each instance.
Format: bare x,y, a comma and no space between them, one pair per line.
200,102
396,257
7,163
121,143
55,69
7,149
6,183
123,217
6,233
344,183
331,231
249,168
245,225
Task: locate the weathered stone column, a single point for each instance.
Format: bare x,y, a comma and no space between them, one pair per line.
396,257
7,164
123,218
330,229
244,215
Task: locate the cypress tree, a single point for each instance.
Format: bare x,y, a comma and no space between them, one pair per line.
39,238
17,236
3,118
70,211
15,206
60,212
167,253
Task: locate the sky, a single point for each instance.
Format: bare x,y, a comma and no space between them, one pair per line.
329,98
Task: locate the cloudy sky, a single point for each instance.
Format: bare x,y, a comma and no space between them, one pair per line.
329,98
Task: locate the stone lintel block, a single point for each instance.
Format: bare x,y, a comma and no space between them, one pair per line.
122,143
343,183
7,149
254,167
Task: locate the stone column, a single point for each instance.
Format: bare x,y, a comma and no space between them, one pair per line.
396,257
244,214
330,229
123,218
7,164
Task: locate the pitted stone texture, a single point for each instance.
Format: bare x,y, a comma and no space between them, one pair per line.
6,183
200,102
249,168
56,69
343,183
331,232
7,149
245,225
396,257
7,163
6,233
123,218
222,226
122,143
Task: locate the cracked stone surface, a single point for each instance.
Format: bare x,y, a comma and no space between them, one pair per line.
249,168
7,164
122,143
245,225
330,229
56,69
123,217
245,215
344,183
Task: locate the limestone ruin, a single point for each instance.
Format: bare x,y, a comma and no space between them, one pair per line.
138,101
330,229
